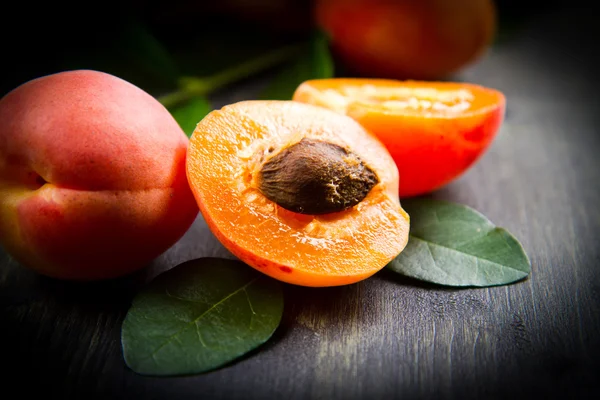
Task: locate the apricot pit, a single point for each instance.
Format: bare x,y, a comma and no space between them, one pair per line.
316,177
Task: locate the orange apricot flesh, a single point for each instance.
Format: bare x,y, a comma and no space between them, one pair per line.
434,131
224,157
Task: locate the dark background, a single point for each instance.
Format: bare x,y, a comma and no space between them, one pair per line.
48,37
386,337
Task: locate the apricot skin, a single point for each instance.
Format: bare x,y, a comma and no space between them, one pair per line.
92,176
407,39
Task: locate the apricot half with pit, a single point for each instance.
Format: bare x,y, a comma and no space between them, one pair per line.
301,193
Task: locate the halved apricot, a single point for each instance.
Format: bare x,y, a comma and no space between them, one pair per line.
434,130
301,193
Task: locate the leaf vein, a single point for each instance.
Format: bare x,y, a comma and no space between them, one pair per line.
200,338
175,335
251,309
249,302
429,243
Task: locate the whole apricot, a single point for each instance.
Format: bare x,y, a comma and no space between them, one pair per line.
92,176
407,39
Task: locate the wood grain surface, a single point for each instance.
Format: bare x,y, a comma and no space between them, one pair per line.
388,336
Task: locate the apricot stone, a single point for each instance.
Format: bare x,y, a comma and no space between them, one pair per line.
92,176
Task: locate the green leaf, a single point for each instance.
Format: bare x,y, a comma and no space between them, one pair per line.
199,316
315,62
189,114
454,245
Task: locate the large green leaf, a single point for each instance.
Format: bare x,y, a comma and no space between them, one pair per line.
189,114
452,244
199,316
315,62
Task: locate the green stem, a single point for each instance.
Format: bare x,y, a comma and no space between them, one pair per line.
193,86
174,98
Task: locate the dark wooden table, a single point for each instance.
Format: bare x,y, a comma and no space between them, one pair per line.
387,337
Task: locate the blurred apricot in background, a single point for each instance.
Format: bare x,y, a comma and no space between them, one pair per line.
407,39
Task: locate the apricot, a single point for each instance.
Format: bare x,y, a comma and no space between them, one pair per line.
407,39
300,193
435,131
92,176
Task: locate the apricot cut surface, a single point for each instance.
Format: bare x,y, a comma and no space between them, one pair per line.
226,155
434,131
